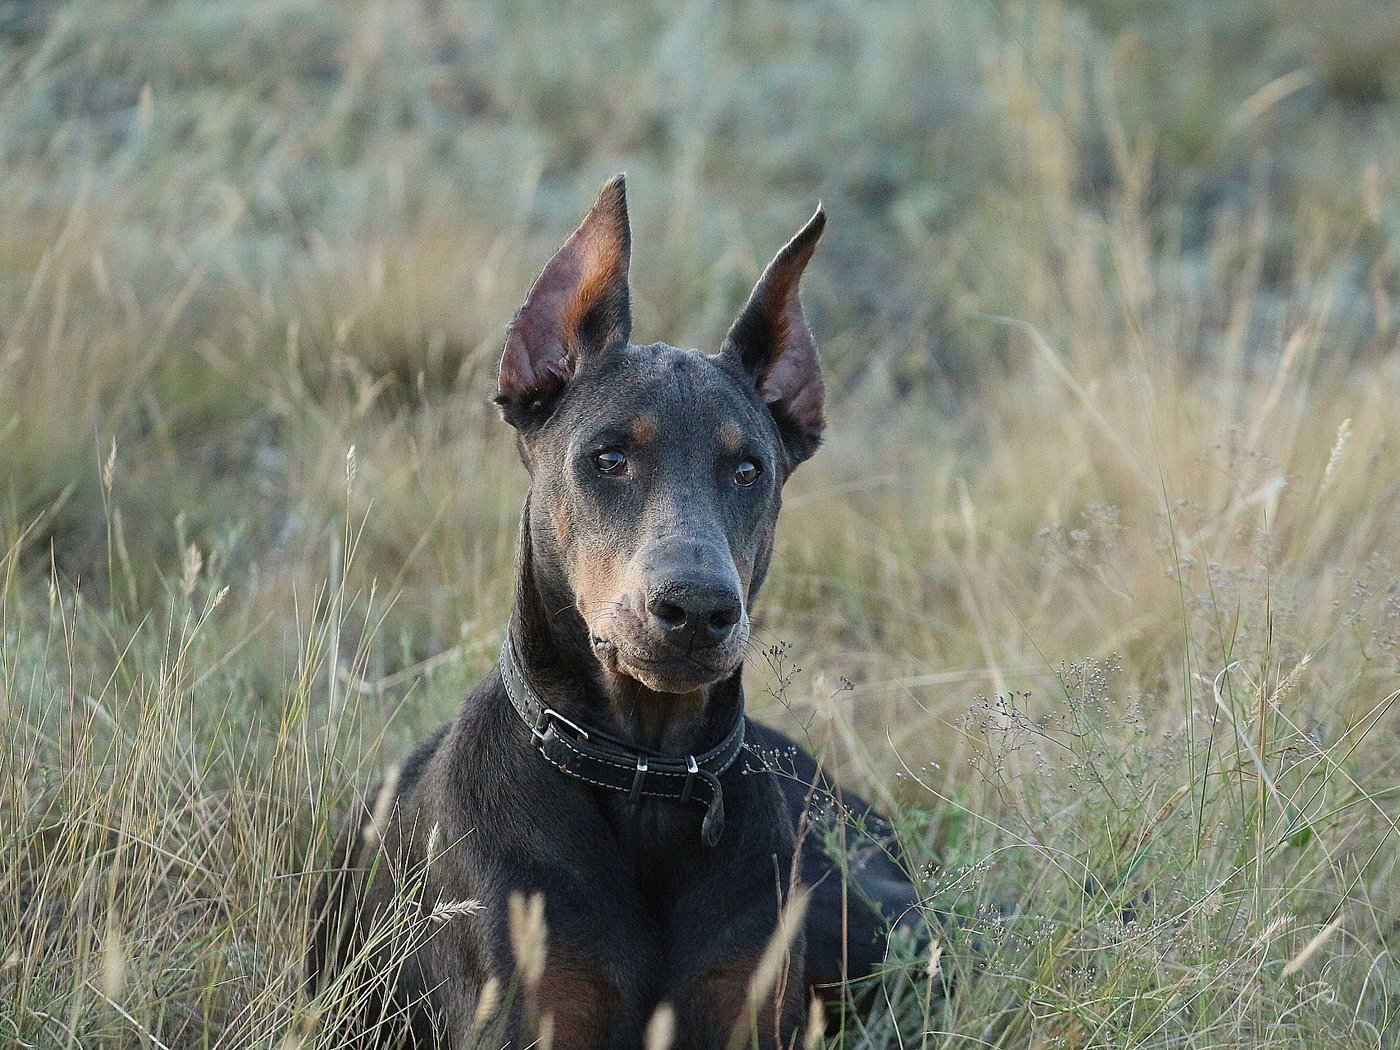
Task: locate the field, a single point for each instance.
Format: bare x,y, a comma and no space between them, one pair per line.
1095,582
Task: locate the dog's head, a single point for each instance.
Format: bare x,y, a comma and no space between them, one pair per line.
656,471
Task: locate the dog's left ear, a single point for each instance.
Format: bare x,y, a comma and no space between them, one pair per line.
771,341
579,305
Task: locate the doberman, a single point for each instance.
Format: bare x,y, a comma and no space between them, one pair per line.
606,765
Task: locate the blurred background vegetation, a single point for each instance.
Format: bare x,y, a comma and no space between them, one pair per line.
1108,307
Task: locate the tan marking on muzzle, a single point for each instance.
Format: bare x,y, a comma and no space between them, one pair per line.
563,525
601,578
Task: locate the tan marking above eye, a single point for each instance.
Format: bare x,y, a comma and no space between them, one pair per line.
731,437
644,429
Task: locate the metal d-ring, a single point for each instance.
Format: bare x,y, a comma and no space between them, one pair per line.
638,779
691,769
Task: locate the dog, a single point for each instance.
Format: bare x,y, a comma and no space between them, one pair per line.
602,832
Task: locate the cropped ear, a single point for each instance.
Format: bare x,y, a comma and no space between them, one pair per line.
771,341
579,305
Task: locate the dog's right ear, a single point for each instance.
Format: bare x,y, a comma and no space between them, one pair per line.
579,305
770,341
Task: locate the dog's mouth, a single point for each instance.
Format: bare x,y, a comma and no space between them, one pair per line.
666,669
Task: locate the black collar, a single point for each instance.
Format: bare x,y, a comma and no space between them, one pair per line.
607,762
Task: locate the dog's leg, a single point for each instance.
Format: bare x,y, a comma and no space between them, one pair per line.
745,993
582,974
736,945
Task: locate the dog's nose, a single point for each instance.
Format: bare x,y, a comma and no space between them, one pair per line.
694,614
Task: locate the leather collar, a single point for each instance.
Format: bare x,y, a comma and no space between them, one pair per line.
605,761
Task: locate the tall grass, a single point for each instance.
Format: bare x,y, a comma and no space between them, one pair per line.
1094,580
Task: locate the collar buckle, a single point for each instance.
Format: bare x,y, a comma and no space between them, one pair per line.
547,715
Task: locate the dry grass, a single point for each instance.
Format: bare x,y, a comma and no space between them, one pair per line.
1096,578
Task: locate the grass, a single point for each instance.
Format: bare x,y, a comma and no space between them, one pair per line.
1094,582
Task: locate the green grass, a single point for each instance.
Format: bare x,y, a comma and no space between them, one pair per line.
1095,579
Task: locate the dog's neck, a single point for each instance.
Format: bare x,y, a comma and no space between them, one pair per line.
556,655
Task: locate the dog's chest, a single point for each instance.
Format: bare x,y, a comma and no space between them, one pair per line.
656,836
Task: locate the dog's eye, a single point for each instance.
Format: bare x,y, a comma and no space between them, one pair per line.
746,473
610,461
